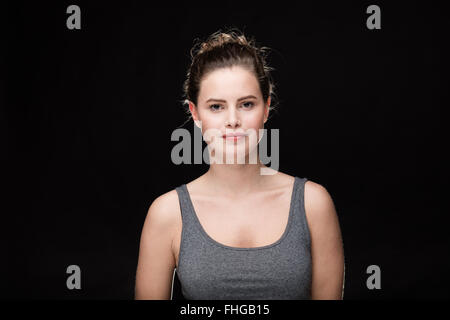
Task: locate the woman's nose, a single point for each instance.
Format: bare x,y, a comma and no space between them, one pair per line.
233,120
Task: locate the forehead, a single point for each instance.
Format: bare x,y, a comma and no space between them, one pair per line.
229,84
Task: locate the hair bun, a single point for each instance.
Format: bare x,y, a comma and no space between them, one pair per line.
219,39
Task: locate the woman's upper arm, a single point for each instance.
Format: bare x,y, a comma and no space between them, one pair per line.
156,262
326,244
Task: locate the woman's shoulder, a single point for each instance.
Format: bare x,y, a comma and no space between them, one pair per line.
166,200
281,177
316,196
279,180
313,187
319,205
165,209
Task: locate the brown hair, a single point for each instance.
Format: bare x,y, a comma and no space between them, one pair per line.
227,49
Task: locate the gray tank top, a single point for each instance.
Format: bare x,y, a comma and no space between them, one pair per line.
209,270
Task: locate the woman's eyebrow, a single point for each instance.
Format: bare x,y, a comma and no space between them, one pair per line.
220,100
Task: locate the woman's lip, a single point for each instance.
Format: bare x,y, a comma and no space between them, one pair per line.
234,136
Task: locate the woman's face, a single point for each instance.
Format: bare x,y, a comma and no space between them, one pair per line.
229,102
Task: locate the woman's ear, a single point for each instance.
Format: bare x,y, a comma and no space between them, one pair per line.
193,110
194,114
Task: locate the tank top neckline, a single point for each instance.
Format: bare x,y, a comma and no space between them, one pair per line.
214,242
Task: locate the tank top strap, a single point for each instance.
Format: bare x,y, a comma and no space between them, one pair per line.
300,223
186,208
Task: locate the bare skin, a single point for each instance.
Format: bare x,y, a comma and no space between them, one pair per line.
255,220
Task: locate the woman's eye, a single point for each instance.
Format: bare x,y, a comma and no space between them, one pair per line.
249,104
216,107
212,107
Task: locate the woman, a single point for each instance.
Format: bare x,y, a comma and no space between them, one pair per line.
237,231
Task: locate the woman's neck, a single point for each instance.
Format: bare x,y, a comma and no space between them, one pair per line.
234,180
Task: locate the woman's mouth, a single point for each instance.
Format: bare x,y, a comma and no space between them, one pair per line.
234,136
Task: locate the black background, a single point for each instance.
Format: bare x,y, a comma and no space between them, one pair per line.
88,114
